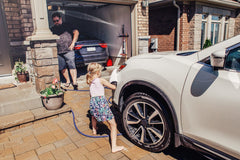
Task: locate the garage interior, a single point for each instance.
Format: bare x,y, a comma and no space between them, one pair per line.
104,21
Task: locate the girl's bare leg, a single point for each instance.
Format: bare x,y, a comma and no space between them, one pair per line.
113,126
94,125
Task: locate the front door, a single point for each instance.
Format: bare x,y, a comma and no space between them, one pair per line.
5,64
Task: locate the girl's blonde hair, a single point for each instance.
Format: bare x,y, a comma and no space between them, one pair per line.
93,69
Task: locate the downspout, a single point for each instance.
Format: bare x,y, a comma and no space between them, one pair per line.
178,22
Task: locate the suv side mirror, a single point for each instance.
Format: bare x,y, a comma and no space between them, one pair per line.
218,59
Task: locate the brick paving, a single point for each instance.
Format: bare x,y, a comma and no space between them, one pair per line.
55,138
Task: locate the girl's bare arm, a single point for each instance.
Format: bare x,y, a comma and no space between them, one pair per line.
107,84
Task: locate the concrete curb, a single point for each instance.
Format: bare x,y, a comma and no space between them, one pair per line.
20,118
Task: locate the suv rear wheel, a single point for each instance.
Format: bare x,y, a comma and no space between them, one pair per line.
146,123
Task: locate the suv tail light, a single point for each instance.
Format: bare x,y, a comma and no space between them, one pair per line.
109,62
103,45
77,47
122,66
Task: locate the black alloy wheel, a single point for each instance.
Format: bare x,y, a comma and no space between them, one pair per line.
146,122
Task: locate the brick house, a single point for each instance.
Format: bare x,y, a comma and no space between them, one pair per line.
186,24
25,32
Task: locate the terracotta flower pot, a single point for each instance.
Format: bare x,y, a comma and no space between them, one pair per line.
52,102
22,77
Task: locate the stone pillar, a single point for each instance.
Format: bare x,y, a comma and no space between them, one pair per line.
143,44
43,47
45,62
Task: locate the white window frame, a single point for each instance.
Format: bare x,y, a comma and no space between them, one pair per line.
223,28
213,34
205,30
226,27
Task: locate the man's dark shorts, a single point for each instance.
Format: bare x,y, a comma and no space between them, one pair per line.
66,60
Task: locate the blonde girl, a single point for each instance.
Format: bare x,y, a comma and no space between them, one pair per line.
99,107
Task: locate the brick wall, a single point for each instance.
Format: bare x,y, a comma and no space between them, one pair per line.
12,12
162,25
197,27
191,19
237,24
231,27
19,24
184,28
26,18
142,19
19,19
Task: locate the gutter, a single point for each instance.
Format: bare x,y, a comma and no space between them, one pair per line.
124,2
225,3
178,22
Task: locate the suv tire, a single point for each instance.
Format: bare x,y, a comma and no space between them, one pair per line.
146,122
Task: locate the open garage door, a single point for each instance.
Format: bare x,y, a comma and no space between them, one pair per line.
105,21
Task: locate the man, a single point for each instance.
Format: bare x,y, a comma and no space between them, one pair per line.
66,56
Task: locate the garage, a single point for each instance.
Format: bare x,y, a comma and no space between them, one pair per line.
109,22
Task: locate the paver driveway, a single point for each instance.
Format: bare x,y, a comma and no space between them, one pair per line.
56,138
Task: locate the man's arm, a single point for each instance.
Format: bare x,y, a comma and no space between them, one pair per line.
75,38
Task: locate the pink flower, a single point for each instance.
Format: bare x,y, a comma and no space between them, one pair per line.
54,81
53,87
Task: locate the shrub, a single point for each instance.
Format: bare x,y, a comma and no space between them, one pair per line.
207,43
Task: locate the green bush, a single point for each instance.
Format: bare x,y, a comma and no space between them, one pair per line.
207,43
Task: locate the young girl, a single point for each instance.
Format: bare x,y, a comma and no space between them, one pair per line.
99,107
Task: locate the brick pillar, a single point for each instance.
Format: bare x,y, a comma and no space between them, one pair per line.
142,27
45,62
184,28
237,24
142,19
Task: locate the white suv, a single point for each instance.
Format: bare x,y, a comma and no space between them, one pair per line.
184,98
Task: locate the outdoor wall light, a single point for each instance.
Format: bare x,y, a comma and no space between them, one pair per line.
145,3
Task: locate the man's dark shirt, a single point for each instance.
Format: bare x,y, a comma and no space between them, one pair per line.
65,32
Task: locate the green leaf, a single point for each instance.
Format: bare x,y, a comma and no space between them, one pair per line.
207,43
51,91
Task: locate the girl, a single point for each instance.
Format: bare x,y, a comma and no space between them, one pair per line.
99,107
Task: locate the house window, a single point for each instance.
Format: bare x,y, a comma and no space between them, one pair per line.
214,28
203,29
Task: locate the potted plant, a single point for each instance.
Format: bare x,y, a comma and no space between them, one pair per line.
52,97
21,73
